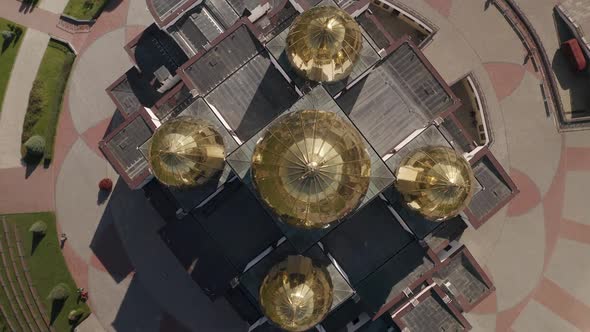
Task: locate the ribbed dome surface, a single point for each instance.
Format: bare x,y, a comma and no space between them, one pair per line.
311,167
185,152
324,43
435,181
296,294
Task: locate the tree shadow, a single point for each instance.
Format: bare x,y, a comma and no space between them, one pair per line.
37,237
6,44
106,244
56,308
27,6
102,197
111,5
30,163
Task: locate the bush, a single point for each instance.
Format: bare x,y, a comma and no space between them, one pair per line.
75,314
39,227
35,146
59,292
105,184
8,35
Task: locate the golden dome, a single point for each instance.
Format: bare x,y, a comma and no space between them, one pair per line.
296,294
311,167
435,181
186,152
324,43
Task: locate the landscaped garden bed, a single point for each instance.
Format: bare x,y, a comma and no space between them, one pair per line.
11,39
45,99
84,9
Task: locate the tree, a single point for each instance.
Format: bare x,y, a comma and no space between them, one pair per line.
38,228
75,314
59,293
35,146
7,34
105,184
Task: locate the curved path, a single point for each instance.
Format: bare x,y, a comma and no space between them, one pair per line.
533,250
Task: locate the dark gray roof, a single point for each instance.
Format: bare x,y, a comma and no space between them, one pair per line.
222,11
200,254
432,314
123,145
173,105
380,109
463,277
240,5
418,81
253,96
389,281
126,97
366,240
448,231
373,30
494,190
164,7
222,60
244,230
455,136
154,49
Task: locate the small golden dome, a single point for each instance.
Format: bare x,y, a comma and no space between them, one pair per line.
296,294
324,43
435,181
186,152
311,167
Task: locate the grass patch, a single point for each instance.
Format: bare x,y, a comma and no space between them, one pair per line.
47,265
8,51
85,9
46,96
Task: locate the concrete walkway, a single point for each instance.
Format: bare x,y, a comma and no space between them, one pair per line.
16,100
54,6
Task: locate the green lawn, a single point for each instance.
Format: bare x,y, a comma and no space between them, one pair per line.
85,9
47,265
8,54
45,99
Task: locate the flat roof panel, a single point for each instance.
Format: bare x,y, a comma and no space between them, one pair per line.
494,190
253,96
199,254
223,59
244,230
378,107
366,240
124,147
408,266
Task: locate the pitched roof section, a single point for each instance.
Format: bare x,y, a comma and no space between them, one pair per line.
207,70
121,148
166,11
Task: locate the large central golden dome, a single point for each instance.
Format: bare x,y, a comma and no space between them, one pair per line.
435,181
324,43
311,167
296,294
185,152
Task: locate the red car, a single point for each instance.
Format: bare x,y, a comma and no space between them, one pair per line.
572,50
